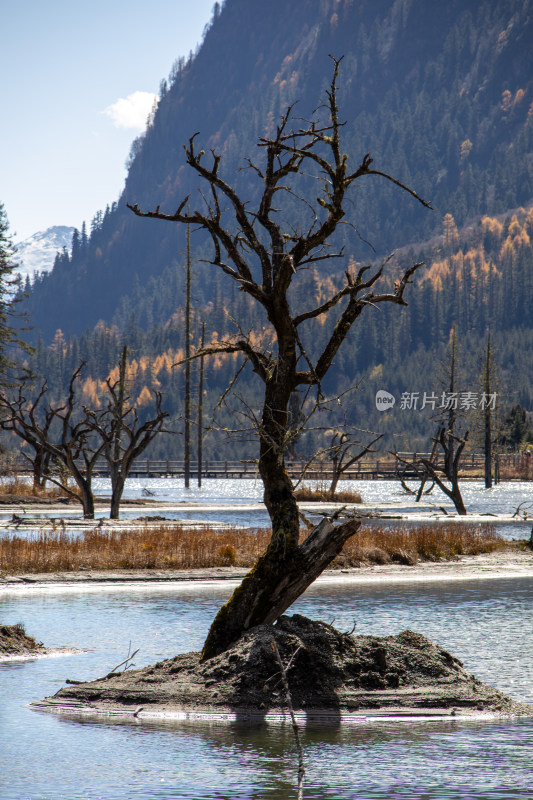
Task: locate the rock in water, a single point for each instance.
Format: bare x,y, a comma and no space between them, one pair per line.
331,676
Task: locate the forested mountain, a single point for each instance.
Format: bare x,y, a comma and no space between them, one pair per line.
475,280
441,95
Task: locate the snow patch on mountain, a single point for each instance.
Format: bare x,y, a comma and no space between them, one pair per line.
37,253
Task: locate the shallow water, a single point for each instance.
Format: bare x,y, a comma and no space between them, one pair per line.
488,624
502,499
236,495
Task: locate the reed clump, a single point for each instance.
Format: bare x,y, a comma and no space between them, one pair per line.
408,544
18,488
304,494
165,547
177,547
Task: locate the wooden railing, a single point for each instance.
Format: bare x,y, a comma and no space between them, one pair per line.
386,467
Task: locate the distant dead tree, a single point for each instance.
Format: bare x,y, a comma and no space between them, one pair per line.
12,410
72,437
405,471
340,454
58,434
264,249
121,436
343,457
443,471
442,466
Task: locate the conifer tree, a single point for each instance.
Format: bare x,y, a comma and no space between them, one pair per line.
9,289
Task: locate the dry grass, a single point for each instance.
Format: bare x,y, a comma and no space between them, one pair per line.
181,548
405,544
17,488
323,496
156,548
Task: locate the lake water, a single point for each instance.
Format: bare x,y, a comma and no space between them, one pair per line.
487,624
231,500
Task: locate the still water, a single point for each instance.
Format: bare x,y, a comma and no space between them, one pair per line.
488,624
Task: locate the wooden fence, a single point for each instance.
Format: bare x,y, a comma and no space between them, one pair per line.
368,469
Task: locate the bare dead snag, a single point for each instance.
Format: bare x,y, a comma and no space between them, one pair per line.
444,473
264,252
280,576
121,435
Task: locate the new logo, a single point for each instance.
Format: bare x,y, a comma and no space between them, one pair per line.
384,400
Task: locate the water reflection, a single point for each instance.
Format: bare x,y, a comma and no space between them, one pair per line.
485,623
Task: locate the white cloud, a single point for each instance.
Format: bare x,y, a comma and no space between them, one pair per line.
132,111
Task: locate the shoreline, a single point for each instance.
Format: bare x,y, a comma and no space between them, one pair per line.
500,564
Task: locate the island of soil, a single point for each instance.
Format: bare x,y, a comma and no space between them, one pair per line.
15,642
332,676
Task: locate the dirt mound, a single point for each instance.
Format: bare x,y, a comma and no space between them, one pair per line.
15,642
330,674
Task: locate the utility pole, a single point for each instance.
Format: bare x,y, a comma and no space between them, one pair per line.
488,416
187,450
200,408
117,428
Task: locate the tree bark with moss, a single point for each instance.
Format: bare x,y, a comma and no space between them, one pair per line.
264,252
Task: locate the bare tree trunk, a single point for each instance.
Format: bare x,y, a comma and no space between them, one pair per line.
40,467
277,580
286,568
87,502
488,451
426,475
116,495
334,482
83,482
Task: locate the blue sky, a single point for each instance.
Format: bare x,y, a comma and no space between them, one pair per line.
77,79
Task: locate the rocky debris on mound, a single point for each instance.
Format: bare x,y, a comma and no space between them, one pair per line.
329,673
14,641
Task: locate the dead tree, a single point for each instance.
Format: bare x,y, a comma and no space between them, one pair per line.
264,251
342,456
410,467
490,381
187,438
443,466
58,434
120,435
14,410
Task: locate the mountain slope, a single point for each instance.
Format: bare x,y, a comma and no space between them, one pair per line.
441,94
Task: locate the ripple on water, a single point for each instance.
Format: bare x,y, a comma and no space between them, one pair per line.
488,624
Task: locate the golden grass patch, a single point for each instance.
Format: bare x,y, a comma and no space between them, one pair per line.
177,547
